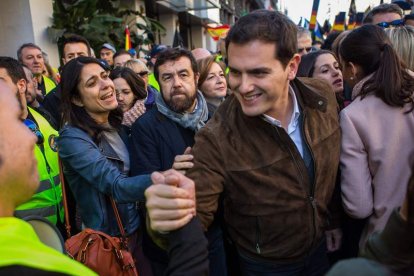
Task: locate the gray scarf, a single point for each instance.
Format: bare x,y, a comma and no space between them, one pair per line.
194,120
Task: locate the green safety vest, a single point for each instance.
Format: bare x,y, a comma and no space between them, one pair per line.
153,82
49,84
20,246
47,201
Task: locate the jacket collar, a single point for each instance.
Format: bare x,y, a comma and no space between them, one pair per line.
307,97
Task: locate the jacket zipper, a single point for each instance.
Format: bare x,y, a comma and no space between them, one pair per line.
312,184
311,190
258,236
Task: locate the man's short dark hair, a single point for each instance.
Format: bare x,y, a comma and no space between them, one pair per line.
383,8
26,45
172,54
120,53
14,68
75,39
266,26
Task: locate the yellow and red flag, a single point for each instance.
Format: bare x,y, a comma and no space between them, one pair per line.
314,13
339,24
128,44
218,32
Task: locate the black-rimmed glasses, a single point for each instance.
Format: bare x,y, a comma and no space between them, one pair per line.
143,73
308,49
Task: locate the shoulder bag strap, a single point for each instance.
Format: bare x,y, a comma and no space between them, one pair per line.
118,218
65,206
65,202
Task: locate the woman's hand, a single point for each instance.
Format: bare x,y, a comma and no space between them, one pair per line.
184,161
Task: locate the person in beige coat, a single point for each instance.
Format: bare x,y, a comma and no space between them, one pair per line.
377,154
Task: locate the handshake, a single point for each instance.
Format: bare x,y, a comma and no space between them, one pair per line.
170,201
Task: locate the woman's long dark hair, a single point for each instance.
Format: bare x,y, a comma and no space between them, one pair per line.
76,115
135,82
369,47
307,63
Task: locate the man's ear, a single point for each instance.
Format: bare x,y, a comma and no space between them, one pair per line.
293,66
77,101
21,86
21,96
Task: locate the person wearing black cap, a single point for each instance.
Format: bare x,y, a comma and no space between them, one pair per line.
107,53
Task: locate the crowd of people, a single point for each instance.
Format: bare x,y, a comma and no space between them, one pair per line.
269,157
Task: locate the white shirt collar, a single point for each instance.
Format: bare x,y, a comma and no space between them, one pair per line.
295,114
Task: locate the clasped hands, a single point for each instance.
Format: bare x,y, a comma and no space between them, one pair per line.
170,201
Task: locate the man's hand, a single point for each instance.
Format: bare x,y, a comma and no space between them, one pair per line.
170,201
333,239
184,161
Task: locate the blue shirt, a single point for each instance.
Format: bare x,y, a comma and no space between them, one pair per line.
293,128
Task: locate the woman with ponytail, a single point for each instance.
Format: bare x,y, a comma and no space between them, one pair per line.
377,154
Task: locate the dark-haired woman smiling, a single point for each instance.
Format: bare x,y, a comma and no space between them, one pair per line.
94,151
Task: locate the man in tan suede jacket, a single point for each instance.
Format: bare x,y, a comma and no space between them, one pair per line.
271,152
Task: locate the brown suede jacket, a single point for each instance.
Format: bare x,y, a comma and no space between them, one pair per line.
271,209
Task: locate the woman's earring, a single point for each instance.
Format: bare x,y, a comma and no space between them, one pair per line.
351,78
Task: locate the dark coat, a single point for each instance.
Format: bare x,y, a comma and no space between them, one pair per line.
155,141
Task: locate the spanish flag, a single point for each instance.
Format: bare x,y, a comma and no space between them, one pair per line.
339,24
128,44
218,32
315,8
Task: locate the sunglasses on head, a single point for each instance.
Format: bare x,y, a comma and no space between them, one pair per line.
398,22
143,73
35,130
308,49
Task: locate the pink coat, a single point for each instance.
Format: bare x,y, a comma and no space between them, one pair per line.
377,157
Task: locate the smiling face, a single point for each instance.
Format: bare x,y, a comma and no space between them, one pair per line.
258,79
327,68
178,84
215,85
124,94
33,58
97,92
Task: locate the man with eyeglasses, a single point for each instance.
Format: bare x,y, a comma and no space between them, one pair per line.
47,201
304,41
142,70
385,15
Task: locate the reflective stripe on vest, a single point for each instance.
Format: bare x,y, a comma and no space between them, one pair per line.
47,200
49,84
45,184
